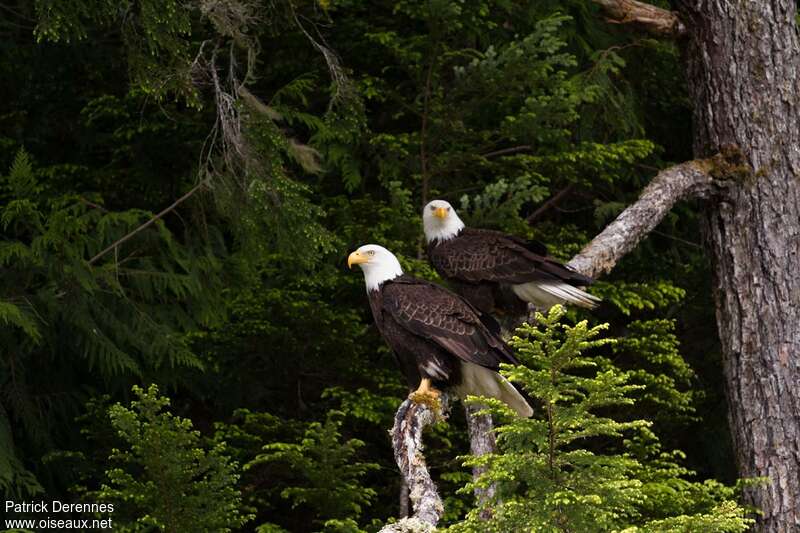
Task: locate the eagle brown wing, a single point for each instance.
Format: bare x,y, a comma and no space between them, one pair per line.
476,255
432,312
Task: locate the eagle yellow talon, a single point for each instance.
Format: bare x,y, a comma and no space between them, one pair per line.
427,395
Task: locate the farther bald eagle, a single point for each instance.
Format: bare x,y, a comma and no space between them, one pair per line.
496,271
439,339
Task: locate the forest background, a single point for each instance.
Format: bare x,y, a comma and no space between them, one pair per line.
289,134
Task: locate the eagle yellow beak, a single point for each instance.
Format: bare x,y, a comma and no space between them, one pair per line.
441,212
356,259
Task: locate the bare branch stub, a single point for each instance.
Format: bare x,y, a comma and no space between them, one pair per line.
687,180
550,203
481,442
647,17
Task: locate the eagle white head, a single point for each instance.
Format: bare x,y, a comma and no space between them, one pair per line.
377,263
440,221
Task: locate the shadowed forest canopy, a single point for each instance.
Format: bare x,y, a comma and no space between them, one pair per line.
271,138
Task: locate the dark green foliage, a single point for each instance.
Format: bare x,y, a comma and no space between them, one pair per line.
154,32
15,480
657,363
259,348
327,126
123,315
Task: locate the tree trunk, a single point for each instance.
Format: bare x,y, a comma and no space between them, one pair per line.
742,60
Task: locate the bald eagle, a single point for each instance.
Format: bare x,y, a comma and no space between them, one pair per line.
497,272
438,338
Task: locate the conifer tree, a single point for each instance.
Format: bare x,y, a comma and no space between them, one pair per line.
568,468
163,477
325,474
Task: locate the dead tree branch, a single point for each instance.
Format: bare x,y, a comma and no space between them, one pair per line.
409,423
646,17
687,180
549,204
508,151
149,222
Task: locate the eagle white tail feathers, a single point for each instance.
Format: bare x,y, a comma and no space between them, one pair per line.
479,381
546,294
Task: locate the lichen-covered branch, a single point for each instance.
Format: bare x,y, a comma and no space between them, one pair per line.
410,421
687,180
649,18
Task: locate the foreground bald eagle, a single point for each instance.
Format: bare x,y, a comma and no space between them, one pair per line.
439,339
497,272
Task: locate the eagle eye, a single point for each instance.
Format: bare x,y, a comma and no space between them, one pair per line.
433,208
370,252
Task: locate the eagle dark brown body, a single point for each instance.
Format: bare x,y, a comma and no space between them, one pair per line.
492,270
426,325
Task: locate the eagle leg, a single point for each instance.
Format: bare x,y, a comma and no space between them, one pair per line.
427,395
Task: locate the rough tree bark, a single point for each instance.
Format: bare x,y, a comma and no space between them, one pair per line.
404,502
644,16
742,64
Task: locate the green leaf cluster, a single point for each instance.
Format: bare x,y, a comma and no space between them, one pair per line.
123,312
